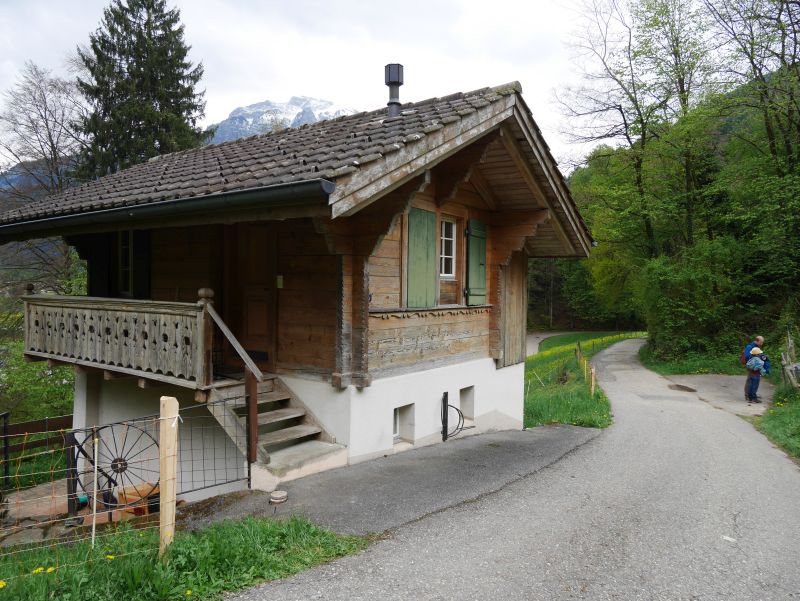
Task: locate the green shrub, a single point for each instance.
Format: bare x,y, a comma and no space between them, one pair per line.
32,390
692,303
692,363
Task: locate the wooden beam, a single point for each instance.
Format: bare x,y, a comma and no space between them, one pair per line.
531,217
144,383
52,363
33,358
456,170
518,157
109,375
354,239
362,233
482,188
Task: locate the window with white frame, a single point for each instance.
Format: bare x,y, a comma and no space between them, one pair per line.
447,249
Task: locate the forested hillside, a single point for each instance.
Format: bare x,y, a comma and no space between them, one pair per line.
692,190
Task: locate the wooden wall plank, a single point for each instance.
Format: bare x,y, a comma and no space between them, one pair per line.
308,302
412,340
185,260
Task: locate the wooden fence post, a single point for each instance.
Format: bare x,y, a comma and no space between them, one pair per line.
168,460
594,380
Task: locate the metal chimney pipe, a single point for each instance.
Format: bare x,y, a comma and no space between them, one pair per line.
394,79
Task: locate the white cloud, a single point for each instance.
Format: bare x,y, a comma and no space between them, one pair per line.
256,50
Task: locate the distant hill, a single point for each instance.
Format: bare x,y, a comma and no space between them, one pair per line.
263,117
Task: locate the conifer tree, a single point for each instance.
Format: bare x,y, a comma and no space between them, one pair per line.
140,86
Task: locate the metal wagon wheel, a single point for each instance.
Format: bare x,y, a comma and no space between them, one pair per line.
127,459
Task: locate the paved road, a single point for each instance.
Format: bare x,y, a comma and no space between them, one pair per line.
533,339
678,500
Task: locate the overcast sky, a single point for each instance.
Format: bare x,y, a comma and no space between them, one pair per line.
336,49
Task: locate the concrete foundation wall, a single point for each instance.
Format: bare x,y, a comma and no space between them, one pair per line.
363,419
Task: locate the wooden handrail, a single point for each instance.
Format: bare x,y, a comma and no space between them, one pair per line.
234,343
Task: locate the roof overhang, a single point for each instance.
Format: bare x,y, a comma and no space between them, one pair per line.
213,208
371,182
523,141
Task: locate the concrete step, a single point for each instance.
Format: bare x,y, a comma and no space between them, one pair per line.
306,458
279,415
288,435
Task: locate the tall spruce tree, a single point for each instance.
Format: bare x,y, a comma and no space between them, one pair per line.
140,86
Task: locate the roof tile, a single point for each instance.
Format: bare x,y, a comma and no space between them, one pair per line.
328,149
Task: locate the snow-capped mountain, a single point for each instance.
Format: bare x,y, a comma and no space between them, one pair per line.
263,117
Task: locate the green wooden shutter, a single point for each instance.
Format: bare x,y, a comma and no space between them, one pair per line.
476,262
421,258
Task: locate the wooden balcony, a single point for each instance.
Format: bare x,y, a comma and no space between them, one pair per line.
162,341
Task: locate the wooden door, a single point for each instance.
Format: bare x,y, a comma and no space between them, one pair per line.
254,297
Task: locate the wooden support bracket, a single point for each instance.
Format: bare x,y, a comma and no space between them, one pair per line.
511,230
518,157
454,171
482,188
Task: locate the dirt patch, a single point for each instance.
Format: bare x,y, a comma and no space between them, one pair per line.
198,514
681,387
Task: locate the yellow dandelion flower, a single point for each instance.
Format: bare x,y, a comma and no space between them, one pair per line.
50,570
37,571
109,557
2,584
188,592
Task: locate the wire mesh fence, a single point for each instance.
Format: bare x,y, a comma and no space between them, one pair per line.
74,488
212,446
71,488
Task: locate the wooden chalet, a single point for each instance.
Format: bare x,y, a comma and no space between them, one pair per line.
357,268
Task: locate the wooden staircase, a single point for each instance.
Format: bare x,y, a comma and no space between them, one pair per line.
286,429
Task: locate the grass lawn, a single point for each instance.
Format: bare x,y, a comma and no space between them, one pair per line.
226,556
556,391
572,338
692,364
781,423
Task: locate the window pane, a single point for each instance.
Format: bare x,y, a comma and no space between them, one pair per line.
447,249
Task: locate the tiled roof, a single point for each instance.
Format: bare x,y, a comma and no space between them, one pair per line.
323,150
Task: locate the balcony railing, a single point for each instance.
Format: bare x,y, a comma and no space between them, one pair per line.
163,341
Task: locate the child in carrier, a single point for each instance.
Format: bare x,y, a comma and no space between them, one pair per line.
755,369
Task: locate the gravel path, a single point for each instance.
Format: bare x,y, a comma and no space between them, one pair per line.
677,500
